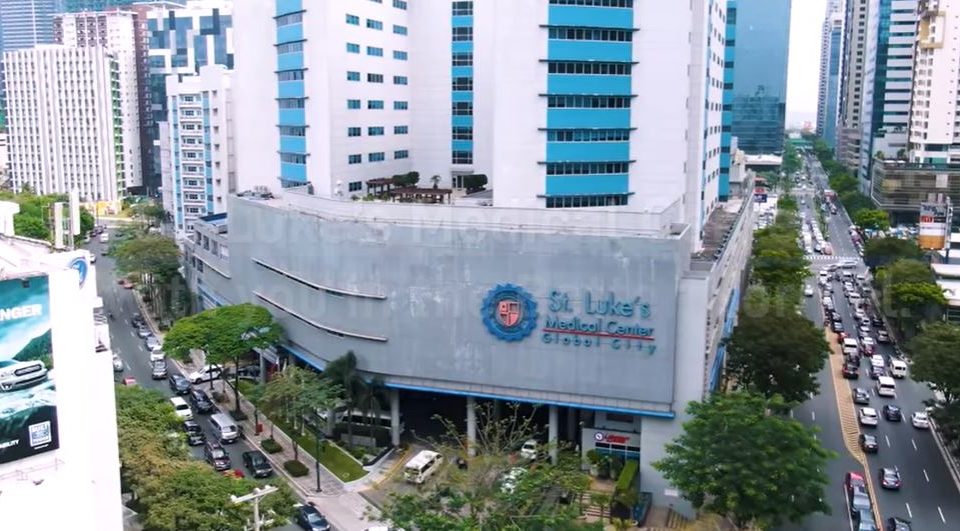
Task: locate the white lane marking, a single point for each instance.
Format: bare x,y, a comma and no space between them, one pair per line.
813,416
939,510
914,443
888,440
925,476
909,512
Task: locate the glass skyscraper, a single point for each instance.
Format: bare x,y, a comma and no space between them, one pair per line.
759,102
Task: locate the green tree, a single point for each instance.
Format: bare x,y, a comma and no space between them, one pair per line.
873,219
791,160
343,371
225,334
296,393
30,227
737,460
473,498
903,271
785,363
150,212
156,260
843,182
935,361
854,202
372,396
880,252
87,221
908,294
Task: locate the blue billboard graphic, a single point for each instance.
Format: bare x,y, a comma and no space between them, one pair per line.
28,412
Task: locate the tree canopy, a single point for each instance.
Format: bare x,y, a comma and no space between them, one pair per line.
869,218
909,294
737,460
35,220
778,262
935,359
148,254
785,363
880,252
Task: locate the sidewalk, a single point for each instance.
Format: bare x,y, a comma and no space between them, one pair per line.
340,502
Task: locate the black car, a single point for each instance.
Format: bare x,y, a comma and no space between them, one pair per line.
875,320
195,435
216,456
137,321
837,326
257,464
201,402
868,443
890,478
309,518
861,396
876,371
892,413
898,524
851,371
178,384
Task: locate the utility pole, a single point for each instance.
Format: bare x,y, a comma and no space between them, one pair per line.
254,496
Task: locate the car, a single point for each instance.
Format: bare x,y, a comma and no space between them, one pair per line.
205,374
216,456
868,344
310,519
143,332
159,370
157,355
868,417
837,326
857,493
851,371
848,264
529,450
875,320
137,320
195,435
920,420
16,374
864,521
876,372
181,408
892,413
178,384
861,396
864,330
200,401
257,464
129,381
883,337
898,524
868,443
126,284
808,291
510,479
152,343
890,478
117,363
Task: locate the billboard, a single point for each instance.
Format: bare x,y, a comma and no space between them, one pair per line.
28,412
934,225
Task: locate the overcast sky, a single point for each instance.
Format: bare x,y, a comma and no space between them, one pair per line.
804,63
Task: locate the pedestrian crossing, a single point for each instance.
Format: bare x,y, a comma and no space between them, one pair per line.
830,258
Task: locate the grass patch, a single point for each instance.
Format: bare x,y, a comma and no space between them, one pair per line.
247,388
334,459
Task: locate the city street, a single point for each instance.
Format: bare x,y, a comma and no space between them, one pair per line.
929,493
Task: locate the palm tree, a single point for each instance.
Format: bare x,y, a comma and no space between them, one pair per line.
296,393
601,500
370,401
343,372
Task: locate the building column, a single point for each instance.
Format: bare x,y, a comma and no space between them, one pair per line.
331,422
395,417
496,410
552,431
471,426
263,369
571,424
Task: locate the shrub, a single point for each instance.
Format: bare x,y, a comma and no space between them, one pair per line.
271,446
296,468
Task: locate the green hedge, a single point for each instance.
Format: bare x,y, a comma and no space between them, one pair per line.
629,472
271,446
296,468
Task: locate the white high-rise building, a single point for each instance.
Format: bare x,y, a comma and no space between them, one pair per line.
115,31
851,91
831,58
933,114
64,121
197,160
365,90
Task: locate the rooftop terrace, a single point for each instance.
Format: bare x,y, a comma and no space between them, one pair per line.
719,229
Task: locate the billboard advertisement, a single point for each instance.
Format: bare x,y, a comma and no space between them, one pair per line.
28,412
934,225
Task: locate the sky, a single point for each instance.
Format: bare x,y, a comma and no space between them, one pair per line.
803,70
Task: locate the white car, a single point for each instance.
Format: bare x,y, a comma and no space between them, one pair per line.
808,291
529,450
157,355
20,374
920,420
869,417
206,373
181,408
153,344
117,363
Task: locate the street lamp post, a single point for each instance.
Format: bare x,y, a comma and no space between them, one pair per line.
254,496
316,460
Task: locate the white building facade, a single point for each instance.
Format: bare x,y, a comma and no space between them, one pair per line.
114,31
197,158
933,113
851,91
64,120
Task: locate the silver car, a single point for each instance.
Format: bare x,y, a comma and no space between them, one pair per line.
153,344
20,374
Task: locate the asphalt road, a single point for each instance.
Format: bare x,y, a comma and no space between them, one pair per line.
929,495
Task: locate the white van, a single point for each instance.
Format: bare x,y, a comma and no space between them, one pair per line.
886,387
422,466
850,346
104,237
181,408
225,428
876,360
898,368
